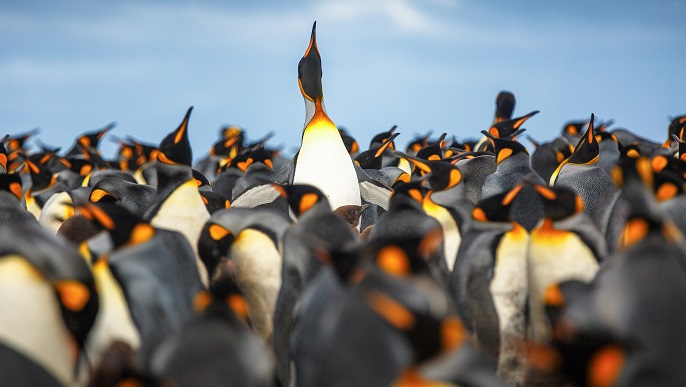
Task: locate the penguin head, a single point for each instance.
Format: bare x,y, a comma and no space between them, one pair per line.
10,186
372,158
41,176
91,140
223,295
302,197
126,155
175,148
380,138
505,103
310,81
676,128
506,128
505,148
496,208
587,150
250,156
572,129
213,244
143,152
681,148
213,201
414,191
406,257
418,143
559,202
16,142
433,151
124,227
310,70
669,177
441,175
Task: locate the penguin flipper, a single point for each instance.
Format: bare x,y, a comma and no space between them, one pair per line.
371,190
287,172
255,196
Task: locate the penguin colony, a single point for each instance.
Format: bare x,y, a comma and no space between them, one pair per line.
470,263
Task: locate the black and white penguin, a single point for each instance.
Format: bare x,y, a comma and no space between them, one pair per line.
566,245
49,288
489,282
178,205
322,150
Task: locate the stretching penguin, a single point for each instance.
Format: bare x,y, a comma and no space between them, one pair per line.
178,204
489,282
322,150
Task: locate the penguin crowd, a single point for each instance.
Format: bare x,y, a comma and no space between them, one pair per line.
446,263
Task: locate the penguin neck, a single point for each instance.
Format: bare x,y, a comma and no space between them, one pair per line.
169,177
316,118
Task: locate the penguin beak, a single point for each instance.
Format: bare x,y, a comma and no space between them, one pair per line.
104,130
181,130
310,70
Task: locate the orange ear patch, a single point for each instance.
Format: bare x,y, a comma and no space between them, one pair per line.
239,306
634,231
605,366
553,296
479,214
141,233
452,333
98,194
218,232
73,294
202,300
545,192
393,260
391,310
307,201
15,188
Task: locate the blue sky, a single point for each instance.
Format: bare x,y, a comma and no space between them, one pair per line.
69,67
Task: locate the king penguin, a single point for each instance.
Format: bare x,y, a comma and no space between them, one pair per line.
46,289
489,281
254,249
322,160
178,204
566,245
315,219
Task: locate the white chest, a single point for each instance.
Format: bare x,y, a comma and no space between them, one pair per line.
324,162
